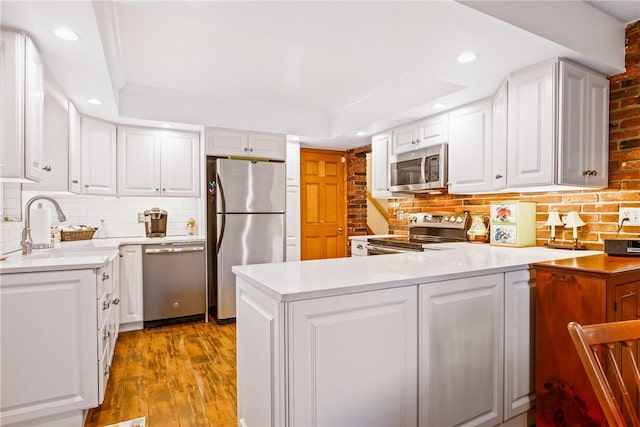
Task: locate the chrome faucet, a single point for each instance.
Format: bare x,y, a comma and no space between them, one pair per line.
27,243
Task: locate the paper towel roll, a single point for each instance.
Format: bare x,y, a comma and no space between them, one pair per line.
40,225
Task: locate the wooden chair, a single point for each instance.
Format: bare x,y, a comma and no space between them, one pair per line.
601,339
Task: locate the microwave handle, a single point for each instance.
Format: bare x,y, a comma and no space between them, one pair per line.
423,166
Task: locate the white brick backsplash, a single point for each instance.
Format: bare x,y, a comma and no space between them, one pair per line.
120,215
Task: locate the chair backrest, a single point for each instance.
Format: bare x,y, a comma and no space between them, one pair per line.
601,339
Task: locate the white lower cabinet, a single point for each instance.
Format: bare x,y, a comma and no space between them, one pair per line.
48,363
461,352
131,315
354,359
454,352
98,157
57,339
519,343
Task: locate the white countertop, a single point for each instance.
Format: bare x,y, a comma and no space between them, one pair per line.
79,254
298,280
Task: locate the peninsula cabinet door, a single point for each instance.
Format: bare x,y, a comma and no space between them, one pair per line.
354,360
461,352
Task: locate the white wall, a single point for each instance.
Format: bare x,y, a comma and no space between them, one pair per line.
120,215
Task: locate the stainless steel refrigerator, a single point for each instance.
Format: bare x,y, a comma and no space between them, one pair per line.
245,214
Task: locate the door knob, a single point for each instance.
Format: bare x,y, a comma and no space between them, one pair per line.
340,230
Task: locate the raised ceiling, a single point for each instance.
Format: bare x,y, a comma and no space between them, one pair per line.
321,70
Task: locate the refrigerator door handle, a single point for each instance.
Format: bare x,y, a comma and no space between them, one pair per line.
224,214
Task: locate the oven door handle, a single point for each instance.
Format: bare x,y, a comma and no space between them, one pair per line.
386,249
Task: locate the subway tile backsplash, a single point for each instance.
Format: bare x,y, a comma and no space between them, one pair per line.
120,215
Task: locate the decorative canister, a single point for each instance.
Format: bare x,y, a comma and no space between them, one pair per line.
478,231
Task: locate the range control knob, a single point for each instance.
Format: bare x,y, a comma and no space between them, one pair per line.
445,218
459,219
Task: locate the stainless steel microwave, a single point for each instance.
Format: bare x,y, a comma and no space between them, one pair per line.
419,171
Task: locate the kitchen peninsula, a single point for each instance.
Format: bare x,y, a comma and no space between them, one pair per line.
440,337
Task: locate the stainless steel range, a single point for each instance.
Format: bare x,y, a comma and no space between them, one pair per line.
424,229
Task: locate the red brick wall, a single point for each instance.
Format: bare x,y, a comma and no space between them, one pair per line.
357,190
598,209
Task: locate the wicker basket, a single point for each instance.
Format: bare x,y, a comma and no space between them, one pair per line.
87,234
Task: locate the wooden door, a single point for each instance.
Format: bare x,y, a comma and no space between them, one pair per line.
323,204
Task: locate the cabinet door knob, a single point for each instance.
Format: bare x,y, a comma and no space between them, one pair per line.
116,301
106,334
105,276
164,189
75,181
86,186
106,305
47,168
359,246
418,141
251,149
498,176
245,148
594,173
413,141
585,173
157,189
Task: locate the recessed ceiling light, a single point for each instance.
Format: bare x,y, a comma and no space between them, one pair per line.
438,106
360,133
66,34
165,125
466,57
94,101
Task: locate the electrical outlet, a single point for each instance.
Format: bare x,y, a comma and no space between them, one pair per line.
140,216
632,213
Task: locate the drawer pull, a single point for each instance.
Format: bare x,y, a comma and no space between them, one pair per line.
359,246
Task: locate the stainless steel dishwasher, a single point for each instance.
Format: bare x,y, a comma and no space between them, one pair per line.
174,283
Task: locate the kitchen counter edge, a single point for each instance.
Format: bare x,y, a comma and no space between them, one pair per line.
82,254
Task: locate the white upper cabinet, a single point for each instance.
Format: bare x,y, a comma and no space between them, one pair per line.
293,163
471,148
498,173
138,161
56,136
380,145
583,132
433,130
75,149
180,167
531,128
225,142
429,131
154,162
22,97
98,157
404,138
557,127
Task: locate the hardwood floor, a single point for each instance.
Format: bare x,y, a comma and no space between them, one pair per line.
182,375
